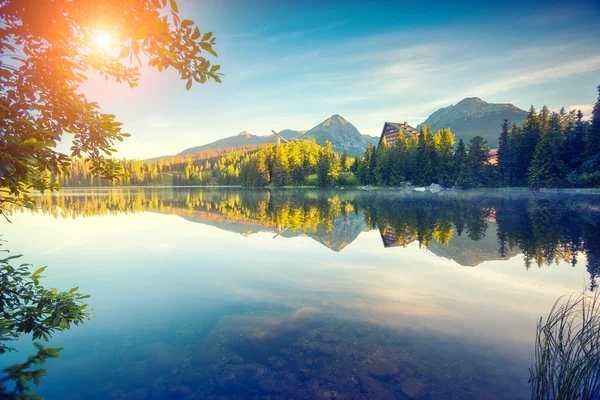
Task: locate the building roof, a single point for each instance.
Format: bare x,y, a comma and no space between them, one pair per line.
405,128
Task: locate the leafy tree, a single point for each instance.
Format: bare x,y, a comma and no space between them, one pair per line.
344,161
444,143
366,166
46,51
328,167
281,167
26,307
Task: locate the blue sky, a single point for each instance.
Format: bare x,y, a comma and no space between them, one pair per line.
293,64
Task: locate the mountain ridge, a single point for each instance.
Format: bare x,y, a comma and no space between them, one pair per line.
473,116
336,129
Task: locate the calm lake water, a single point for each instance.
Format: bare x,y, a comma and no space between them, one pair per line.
288,294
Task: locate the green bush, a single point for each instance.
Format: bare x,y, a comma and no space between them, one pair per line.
311,180
347,179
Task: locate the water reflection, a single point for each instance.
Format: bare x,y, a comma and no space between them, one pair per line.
468,229
187,311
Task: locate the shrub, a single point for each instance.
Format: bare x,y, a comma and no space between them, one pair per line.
347,179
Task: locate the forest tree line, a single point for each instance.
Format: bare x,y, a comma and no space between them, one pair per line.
295,163
549,149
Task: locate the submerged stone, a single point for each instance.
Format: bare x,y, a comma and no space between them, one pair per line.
413,388
383,368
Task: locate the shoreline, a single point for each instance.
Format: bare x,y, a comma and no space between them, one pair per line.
352,188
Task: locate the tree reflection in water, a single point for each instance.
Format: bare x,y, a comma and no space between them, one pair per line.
545,228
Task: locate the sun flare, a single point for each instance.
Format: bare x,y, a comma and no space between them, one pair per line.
102,40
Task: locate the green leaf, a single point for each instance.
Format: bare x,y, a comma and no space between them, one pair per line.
38,271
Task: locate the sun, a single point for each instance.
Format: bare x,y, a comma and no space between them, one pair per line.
102,40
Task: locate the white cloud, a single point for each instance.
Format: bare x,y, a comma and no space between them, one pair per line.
586,110
536,75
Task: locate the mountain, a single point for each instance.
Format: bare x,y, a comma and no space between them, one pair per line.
469,253
242,139
473,116
342,135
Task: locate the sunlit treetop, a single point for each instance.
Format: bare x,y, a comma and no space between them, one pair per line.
49,48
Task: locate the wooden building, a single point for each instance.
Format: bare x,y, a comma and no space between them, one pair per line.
391,131
391,239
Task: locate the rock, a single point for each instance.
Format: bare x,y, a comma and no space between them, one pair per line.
285,352
193,377
434,188
226,380
383,368
236,359
266,386
180,391
305,374
369,385
326,349
244,370
279,365
330,338
305,315
413,388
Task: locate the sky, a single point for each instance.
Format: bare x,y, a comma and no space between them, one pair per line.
292,64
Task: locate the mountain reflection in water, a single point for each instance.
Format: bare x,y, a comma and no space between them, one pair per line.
387,314
466,228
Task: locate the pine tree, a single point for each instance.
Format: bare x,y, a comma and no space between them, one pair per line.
460,165
424,173
592,140
544,119
504,159
383,167
575,143
547,168
398,160
412,146
515,142
477,158
531,136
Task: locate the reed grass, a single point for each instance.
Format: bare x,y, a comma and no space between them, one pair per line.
566,359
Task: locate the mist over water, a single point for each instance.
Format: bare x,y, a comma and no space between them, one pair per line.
232,293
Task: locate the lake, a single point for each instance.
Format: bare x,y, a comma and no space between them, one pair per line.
208,293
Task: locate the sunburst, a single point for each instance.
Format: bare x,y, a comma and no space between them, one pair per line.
102,40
